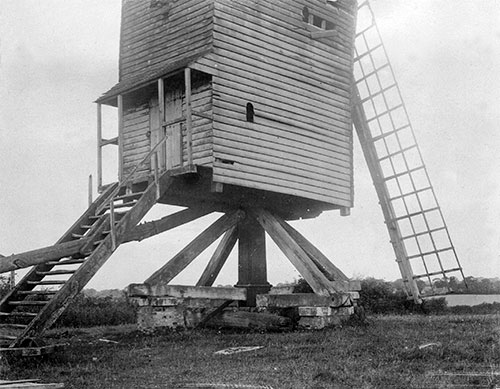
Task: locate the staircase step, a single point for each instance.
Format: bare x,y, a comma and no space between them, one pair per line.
55,272
36,292
65,262
135,195
10,326
122,205
51,282
8,337
20,314
28,303
77,236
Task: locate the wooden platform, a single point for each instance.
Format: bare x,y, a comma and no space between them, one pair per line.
197,190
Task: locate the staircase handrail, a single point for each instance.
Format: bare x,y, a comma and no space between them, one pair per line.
132,173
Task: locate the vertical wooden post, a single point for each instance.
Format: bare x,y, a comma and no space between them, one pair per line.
156,175
120,137
99,146
189,123
162,130
12,279
112,224
91,199
252,267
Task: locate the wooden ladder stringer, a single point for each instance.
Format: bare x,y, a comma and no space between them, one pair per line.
98,255
27,283
416,226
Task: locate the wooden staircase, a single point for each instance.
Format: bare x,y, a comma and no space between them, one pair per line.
43,294
414,220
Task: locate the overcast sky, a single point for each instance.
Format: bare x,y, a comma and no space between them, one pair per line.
57,56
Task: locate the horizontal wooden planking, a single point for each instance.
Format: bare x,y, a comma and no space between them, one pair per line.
315,104
322,98
197,45
250,177
234,151
139,25
282,113
136,144
300,172
269,147
172,45
275,18
283,104
173,31
269,131
264,136
137,121
290,12
143,20
152,39
133,146
295,62
252,29
344,22
304,86
278,178
280,69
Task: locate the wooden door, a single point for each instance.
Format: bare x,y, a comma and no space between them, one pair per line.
157,133
173,112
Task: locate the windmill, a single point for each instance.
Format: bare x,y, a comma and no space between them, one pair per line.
244,108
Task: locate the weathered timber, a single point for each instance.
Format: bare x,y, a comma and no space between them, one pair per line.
179,262
324,34
332,272
181,291
302,300
250,320
216,312
252,264
30,280
38,256
297,256
245,53
218,258
325,311
155,227
56,306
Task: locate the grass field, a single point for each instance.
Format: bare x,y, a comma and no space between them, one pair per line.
388,352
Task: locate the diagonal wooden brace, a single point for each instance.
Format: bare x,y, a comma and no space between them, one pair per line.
330,271
294,252
179,262
155,227
218,258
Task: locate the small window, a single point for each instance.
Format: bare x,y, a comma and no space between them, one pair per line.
250,112
317,21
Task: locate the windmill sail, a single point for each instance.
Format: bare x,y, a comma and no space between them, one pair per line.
418,232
